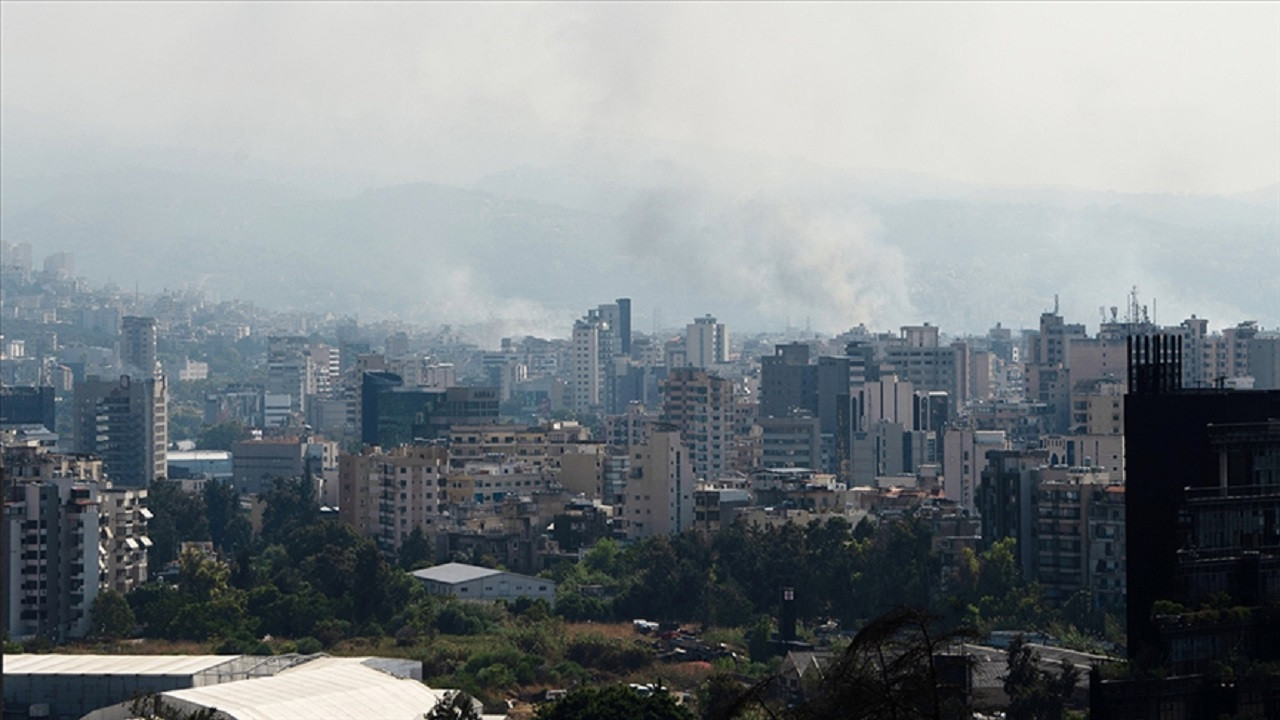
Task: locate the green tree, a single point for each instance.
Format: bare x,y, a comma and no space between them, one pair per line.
222,436
890,670
718,696
613,702
456,705
1036,694
415,551
292,504
229,528
110,616
179,516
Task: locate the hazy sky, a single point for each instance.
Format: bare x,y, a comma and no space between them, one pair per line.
1180,97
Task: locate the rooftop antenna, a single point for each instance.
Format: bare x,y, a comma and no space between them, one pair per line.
1055,303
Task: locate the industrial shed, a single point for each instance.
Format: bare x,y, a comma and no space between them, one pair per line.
70,686
338,688
472,582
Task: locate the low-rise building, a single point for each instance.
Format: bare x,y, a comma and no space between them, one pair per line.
471,582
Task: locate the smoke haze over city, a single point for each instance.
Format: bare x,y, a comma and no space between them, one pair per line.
502,165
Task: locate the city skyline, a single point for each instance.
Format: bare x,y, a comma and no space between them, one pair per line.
503,165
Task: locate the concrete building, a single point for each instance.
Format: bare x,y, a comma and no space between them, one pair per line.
126,423
1063,540
917,357
123,540
790,442
387,494
1006,500
1108,549
470,582
290,371
394,414
788,381
658,496
1264,362
964,457
540,446
706,343
138,347
701,405
255,464
27,406
716,506
67,535
593,345
1097,408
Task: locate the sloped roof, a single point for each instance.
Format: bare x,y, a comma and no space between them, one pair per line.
62,664
452,573
337,688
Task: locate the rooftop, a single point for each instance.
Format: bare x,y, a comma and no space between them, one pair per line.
454,573
30,664
348,688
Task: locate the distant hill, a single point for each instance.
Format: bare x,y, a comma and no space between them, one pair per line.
528,252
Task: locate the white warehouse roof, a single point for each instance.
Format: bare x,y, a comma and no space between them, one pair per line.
338,688
30,664
451,573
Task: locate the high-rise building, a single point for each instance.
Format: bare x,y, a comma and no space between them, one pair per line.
27,406
393,414
68,534
787,381
1201,474
624,326
290,371
387,494
591,366
706,343
658,495
701,405
138,347
126,423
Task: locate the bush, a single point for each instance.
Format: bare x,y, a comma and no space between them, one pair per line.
309,646
467,618
597,651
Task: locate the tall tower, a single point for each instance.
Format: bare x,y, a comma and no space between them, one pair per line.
706,343
138,347
624,326
126,423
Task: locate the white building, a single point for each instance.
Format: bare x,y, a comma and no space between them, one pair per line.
658,494
706,343
471,582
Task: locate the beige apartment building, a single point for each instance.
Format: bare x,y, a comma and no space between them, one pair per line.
386,494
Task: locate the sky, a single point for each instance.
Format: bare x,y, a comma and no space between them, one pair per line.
1133,97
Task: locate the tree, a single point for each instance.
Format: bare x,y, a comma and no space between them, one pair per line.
456,705
718,695
292,504
415,551
229,529
110,616
1036,694
890,670
613,701
222,436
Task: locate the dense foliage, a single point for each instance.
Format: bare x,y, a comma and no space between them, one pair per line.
303,583
614,701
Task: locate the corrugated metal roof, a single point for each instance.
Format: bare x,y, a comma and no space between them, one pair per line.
30,664
338,688
454,573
